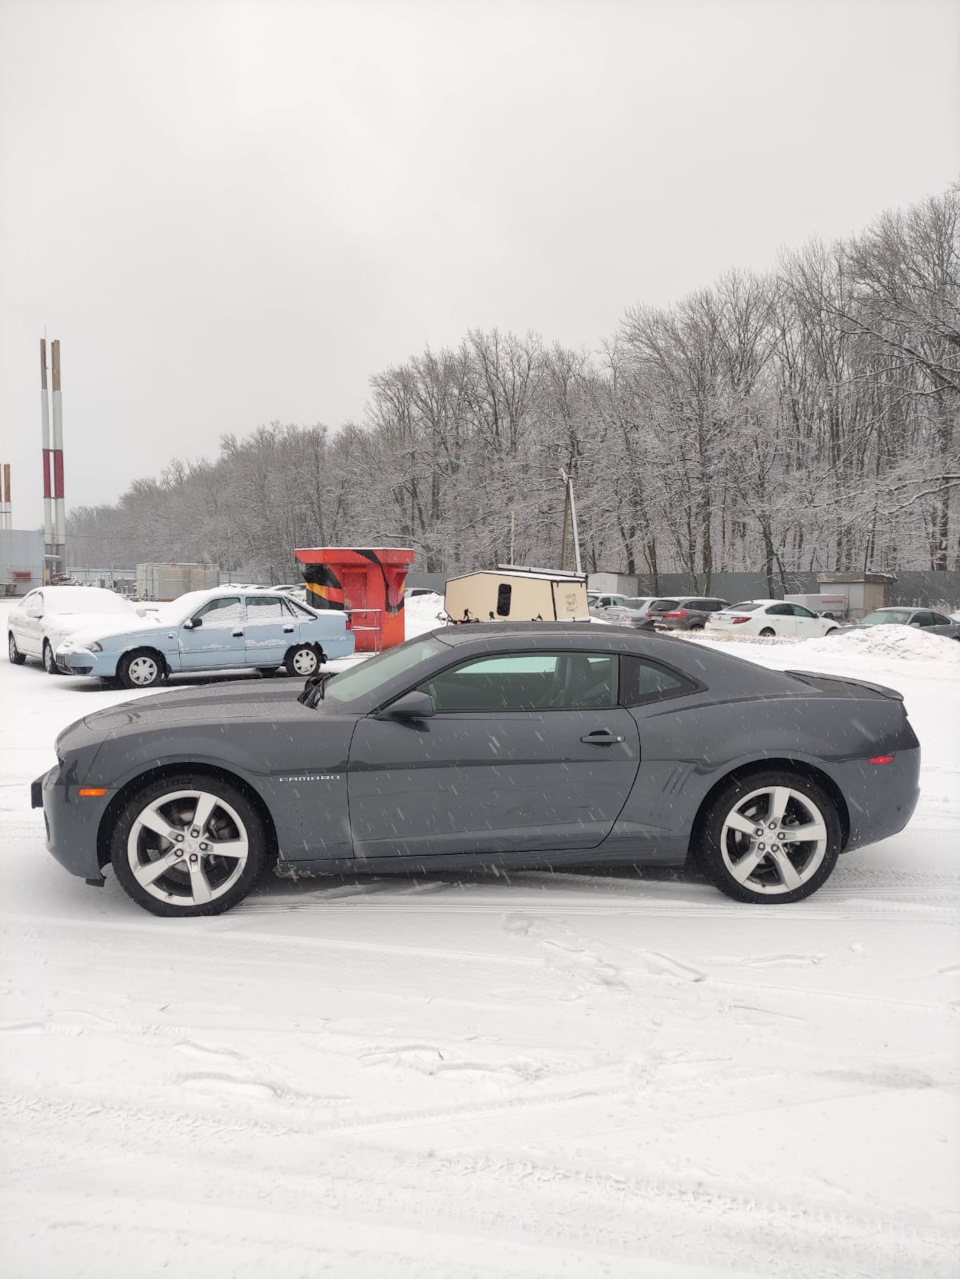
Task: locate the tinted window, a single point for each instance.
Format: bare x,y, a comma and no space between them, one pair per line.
265,608
939,620
800,611
780,610
662,606
526,682
642,681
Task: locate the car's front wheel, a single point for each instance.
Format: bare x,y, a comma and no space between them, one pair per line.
187,846
49,665
16,657
303,660
140,669
769,837
767,633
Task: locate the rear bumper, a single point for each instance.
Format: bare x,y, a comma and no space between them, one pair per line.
72,823
881,798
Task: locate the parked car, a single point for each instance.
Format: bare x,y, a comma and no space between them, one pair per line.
768,618
633,611
220,629
689,613
598,603
926,619
525,745
46,616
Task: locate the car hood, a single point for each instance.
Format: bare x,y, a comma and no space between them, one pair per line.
188,707
96,630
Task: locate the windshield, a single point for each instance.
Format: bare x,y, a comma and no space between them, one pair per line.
366,678
83,599
886,616
183,607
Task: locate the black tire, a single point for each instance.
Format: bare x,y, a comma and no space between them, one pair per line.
768,632
191,861
16,657
49,665
143,668
766,873
303,660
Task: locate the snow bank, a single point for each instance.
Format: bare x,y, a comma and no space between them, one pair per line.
886,641
423,613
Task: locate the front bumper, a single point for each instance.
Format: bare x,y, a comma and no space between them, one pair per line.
72,821
83,661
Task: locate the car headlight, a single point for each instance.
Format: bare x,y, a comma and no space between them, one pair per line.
95,647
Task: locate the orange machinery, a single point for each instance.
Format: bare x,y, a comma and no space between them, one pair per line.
367,583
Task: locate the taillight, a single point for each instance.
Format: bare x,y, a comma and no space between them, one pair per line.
880,759
349,622
735,620
681,613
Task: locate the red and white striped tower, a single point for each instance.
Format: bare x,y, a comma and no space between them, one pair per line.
59,509
47,460
6,510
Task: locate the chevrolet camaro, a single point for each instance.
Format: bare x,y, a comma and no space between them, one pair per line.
500,745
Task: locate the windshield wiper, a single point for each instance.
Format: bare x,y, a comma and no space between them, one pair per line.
314,688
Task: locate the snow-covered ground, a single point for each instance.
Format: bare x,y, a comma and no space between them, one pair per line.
570,1075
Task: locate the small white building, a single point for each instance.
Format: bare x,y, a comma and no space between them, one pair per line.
21,560
510,594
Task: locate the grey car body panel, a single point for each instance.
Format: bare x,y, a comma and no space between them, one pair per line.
347,788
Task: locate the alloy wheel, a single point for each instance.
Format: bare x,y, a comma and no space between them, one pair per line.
774,840
188,847
143,671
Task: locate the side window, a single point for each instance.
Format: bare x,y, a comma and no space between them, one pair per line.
504,591
221,612
938,619
299,612
642,681
924,618
527,681
265,608
780,610
800,611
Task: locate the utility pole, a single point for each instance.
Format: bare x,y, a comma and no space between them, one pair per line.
569,523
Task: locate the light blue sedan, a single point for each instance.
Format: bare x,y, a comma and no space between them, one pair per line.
215,630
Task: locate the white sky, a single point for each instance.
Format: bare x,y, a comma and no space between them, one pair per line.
235,211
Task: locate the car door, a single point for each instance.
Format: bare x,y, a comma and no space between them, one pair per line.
27,629
268,631
779,618
213,639
526,753
808,625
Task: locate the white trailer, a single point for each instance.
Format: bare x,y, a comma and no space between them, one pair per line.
509,594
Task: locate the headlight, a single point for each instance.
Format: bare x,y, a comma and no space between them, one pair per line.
95,647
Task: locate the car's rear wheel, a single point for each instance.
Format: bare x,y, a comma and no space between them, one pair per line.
49,665
769,837
140,669
767,632
16,657
188,846
303,660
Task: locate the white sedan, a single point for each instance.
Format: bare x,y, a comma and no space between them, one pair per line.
770,618
45,617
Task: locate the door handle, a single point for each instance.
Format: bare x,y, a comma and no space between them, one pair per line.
288,630
238,634
601,737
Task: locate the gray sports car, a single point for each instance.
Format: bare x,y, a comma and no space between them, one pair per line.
507,745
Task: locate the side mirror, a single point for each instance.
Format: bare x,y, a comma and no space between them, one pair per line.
35,610
193,623
415,705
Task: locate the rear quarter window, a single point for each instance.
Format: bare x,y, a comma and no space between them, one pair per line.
643,681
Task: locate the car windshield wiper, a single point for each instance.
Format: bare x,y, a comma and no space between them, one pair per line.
313,690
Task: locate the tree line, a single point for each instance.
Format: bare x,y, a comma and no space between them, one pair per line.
802,419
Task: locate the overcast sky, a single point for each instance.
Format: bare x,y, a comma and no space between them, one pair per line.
237,211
